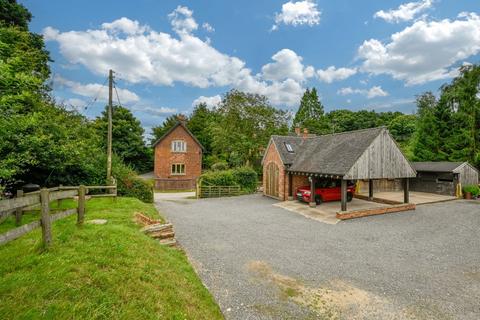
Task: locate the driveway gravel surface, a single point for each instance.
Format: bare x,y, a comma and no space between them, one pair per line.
263,262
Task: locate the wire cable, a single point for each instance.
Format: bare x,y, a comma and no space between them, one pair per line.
88,105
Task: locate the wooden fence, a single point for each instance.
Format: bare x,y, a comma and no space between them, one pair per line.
42,198
217,191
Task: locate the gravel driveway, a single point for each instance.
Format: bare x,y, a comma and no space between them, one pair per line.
263,262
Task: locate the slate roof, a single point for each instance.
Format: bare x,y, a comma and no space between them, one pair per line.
173,128
294,141
334,153
437,166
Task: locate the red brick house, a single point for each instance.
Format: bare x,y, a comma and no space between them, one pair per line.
178,159
302,159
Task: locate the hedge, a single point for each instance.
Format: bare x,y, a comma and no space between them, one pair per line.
245,177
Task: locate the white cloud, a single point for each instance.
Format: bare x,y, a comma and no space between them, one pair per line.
207,27
209,101
287,64
425,51
182,20
332,74
142,55
298,13
371,93
154,111
125,25
404,12
96,90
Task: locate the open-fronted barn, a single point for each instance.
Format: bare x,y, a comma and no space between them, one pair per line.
293,161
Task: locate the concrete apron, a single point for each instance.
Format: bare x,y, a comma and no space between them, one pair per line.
327,211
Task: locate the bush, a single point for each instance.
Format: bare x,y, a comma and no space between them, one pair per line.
246,177
129,184
219,166
473,189
219,178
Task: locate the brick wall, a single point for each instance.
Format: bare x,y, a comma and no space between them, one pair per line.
165,157
298,181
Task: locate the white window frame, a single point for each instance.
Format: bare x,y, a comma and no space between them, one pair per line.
179,146
176,169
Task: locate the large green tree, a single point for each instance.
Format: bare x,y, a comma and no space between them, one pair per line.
427,138
200,122
244,126
310,113
127,138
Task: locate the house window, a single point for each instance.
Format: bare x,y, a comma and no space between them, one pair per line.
289,147
179,146
178,169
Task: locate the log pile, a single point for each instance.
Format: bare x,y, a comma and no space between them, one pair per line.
163,232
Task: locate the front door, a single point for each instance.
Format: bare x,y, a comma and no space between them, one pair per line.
271,188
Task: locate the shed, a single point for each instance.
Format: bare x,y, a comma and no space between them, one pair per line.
361,154
443,177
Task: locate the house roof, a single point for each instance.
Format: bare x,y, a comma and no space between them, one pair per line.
436,166
173,128
334,153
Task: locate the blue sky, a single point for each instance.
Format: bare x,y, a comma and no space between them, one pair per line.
170,54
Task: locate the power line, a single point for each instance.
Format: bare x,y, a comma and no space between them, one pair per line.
88,105
116,93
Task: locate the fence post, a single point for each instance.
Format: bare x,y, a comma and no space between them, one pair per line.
81,205
18,211
59,201
45,218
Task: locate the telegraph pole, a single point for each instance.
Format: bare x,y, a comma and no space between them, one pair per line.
109,134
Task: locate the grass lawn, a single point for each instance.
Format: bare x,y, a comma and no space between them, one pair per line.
110,271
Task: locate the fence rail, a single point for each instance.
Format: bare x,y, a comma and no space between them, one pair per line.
218,191
42,199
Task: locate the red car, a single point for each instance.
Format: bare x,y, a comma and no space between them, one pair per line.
326,190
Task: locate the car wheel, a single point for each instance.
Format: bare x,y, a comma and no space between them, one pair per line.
349,196
318,199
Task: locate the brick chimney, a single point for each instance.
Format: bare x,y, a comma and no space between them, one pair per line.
297,131
181,118
305,133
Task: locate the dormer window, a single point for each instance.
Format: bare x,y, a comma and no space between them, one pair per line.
289,147
179,146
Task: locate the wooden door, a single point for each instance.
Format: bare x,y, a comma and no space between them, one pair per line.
271,187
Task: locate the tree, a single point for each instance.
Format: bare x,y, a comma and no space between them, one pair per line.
427,138
310,113
14,14
244,126
462,100
127,138
168,123
199,124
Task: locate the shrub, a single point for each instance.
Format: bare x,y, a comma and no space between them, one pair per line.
219,166
129,184
473,189
219,178
246,177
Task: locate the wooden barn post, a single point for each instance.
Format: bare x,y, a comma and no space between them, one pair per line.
344,194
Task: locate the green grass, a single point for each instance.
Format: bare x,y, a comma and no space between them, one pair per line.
110,271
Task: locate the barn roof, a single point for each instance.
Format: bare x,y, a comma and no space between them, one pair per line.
179,123
334,153
281,142
351,155
436,166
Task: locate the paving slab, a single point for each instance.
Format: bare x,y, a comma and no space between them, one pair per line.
415,197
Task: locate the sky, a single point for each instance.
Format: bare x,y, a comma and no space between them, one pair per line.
170,55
